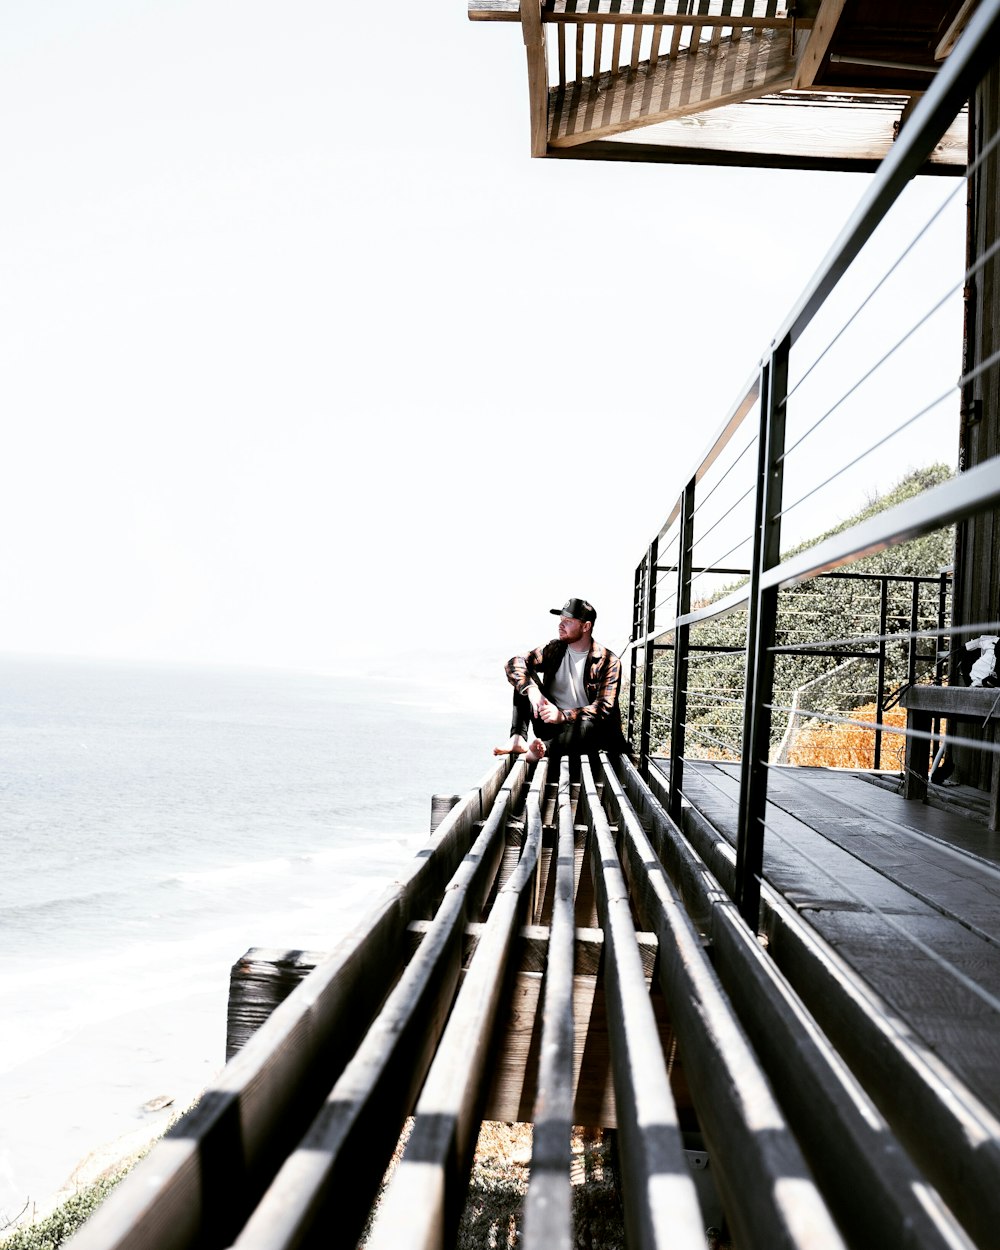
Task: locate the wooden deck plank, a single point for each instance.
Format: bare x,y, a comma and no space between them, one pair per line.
893,1015
876,1194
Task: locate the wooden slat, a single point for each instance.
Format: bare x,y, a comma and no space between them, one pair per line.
877,1196
654,48
616,52
548,1203
422,1202
636,49
673,88
561,44
733,1097
818,45
200,1182
661,1204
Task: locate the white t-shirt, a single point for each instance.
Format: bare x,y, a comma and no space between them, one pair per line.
568,686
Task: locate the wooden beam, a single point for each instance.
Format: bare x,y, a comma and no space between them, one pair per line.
778,134
264,1098
422,1202
818,44
675,87
958,24
732,1094
538,74
659,1197
343,1156
548,1203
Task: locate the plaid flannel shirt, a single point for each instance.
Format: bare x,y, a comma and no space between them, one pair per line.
601,680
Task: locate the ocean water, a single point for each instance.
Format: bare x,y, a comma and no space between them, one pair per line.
155,823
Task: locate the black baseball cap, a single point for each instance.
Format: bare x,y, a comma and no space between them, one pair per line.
579,609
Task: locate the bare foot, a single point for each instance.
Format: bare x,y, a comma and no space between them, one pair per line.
516,746
536,751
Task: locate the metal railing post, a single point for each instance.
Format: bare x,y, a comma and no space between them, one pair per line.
911,650
761,623
636,633
883,617
648,656
681,639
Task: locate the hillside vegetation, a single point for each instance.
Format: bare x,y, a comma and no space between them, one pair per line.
825,610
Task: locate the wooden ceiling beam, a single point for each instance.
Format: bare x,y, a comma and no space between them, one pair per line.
958,24
818,45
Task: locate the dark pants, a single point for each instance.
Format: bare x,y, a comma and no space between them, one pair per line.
579,737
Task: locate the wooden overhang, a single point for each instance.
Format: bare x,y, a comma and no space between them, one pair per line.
805,84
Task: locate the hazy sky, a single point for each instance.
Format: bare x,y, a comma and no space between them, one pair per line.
305,362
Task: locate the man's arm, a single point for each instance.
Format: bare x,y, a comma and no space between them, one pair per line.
522,671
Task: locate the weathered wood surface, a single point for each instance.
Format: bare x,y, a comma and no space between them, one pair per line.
873,1189
781,131
259,987
688,83
659,1196
733,1097
199,1185
925,1048
483,993
422,1203
331,1178
548,1204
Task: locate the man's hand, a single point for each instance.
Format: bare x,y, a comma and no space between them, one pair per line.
548,712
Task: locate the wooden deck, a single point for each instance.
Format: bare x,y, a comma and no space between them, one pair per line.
561,952
906,896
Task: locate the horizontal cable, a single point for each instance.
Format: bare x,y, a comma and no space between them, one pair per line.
711,567
726,514
867,452
709,737
881,282
973,491
986,627
991,748
874,369
710,493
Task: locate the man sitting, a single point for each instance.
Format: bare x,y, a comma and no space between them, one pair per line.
567,690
